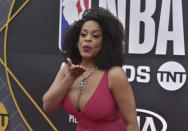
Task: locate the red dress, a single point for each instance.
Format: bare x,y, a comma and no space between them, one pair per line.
101,112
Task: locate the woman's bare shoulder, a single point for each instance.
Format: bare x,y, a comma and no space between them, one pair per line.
116,72
116,76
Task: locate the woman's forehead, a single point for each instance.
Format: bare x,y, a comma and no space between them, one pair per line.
91,25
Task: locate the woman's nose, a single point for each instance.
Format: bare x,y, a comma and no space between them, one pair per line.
88,38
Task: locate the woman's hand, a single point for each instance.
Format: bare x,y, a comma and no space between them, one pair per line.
62,83
75,70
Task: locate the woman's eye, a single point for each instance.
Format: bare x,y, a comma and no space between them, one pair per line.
83,34
96,36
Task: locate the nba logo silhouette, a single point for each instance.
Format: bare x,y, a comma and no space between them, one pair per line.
70,10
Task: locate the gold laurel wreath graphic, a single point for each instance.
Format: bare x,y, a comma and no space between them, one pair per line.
9,72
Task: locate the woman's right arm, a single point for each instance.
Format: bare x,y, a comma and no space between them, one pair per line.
62,83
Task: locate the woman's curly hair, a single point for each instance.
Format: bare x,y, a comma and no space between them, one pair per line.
111,53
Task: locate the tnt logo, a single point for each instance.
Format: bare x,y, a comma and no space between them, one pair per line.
71,10
171,76
3,118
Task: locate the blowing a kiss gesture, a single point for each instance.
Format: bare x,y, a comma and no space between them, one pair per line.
75,70
61,85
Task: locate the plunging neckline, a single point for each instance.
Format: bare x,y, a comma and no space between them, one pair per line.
91,97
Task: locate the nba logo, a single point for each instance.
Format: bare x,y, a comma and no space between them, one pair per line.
70,10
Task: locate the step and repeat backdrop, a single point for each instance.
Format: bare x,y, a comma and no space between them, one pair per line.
156,60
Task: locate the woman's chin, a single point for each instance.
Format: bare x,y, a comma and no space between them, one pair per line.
87,56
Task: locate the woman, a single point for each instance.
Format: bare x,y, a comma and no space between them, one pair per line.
92,86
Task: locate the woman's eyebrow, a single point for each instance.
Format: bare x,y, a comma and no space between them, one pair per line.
92,30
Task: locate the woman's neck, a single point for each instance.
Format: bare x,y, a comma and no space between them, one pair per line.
88,64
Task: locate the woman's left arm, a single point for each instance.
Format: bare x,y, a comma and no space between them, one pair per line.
123,94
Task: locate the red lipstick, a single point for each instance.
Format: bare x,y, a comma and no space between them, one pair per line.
86,48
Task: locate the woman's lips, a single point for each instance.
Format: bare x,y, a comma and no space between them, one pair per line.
86,48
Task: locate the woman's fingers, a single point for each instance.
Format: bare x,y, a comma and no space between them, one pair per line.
75,70
83,68
69,62
78,68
